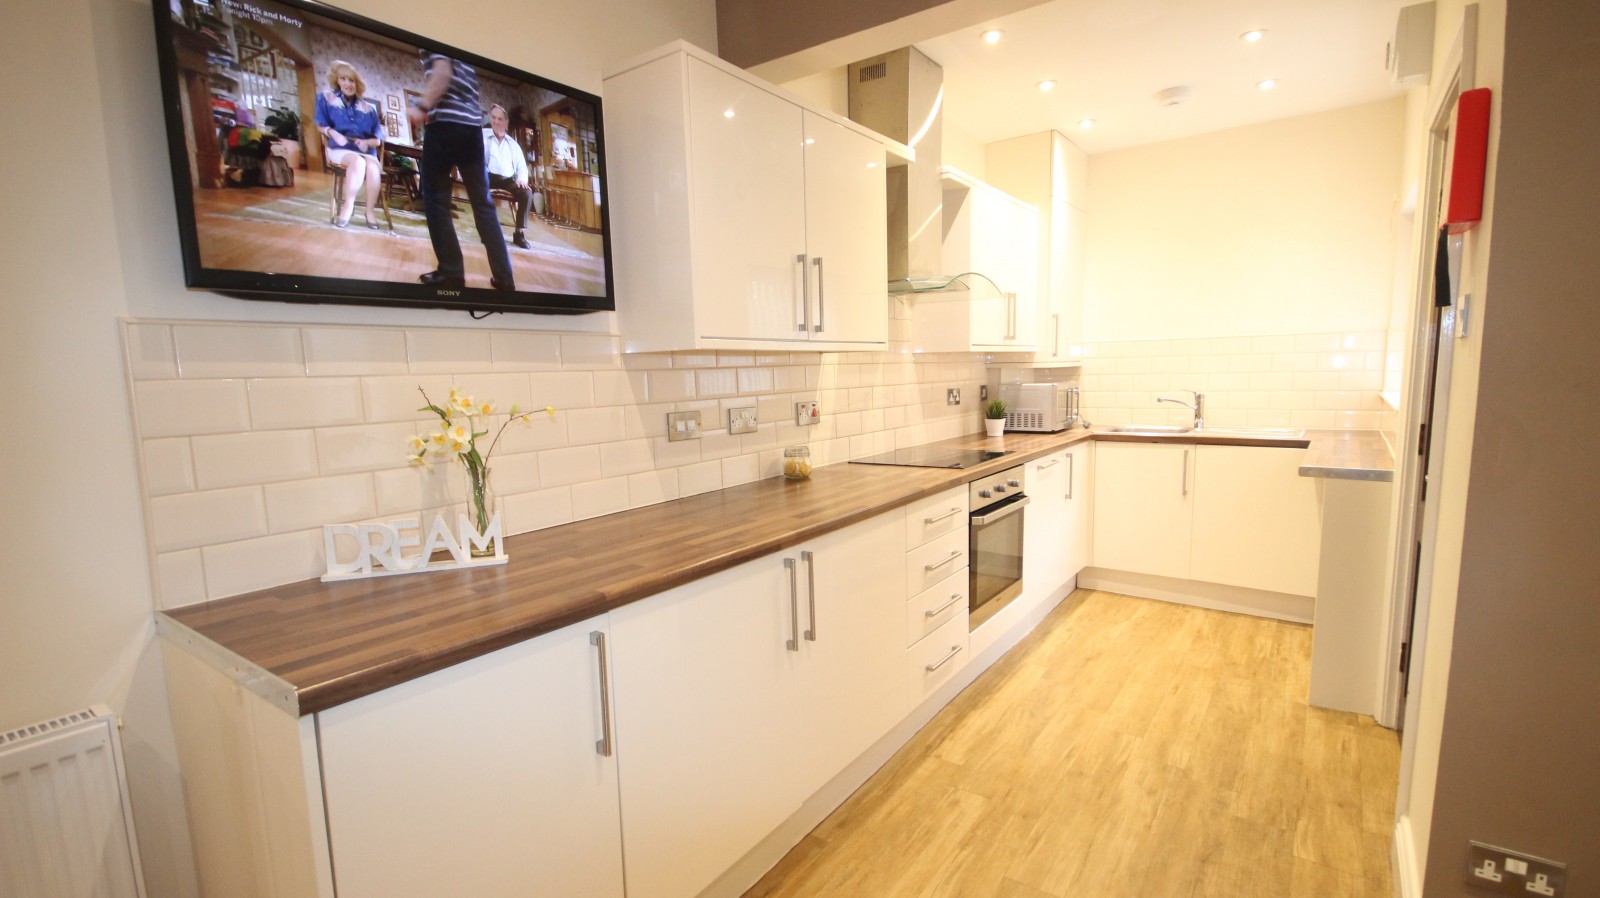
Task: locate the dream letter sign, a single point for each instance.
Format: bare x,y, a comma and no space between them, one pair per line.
382,550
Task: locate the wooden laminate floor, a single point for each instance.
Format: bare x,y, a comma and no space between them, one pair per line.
1126,747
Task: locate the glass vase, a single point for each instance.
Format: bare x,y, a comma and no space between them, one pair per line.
480,509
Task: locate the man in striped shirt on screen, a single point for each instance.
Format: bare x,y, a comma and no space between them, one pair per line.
453,138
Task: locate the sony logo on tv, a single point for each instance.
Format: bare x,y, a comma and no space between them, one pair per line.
449,293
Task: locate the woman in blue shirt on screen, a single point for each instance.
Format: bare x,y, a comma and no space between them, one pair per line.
351,124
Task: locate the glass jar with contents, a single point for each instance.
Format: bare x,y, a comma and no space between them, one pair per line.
797,463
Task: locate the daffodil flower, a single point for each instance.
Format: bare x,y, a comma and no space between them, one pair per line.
485,408
436,440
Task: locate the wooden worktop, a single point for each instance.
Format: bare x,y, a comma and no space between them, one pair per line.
311,645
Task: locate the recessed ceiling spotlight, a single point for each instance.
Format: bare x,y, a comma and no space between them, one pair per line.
1047,85
992,36
1086,123
727,113
1268,84
1251,37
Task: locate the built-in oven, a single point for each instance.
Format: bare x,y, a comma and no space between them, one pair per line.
995,550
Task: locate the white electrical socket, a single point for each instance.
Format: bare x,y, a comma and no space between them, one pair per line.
1506,872
1541,885
1487,870
806,413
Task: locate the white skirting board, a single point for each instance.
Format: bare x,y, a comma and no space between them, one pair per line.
748,871
1407,866
1237,599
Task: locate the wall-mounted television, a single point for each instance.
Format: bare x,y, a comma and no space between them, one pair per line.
320,156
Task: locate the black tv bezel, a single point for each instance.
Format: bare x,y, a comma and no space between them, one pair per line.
254,285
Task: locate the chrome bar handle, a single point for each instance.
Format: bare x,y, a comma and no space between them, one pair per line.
1057,350
1053,463
954,651
954,598
1011,316
939,564
811,592
818,262
1072,471
939,517
603,747
793,644
805,294
1186,472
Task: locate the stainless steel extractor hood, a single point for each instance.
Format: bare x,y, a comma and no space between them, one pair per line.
899,94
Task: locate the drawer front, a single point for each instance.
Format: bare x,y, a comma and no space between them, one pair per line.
944,651
935,606
933,517
928,564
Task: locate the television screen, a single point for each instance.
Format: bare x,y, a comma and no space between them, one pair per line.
319,156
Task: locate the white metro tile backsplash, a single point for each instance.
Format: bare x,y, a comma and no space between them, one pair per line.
1327,381
254,436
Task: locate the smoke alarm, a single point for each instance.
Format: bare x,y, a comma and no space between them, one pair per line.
1173,96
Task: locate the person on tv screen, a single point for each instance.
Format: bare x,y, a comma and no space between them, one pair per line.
508,170
352,126
453,138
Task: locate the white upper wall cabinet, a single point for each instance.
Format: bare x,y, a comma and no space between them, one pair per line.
740,217
994,234
1047,170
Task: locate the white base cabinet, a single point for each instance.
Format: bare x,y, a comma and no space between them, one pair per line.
1056,527
1239,516
483,779
1257,522
740,695
1143,519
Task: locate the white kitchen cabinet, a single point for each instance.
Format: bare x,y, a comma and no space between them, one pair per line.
1048,171
994,234
1079,524
741,219
1257,522
1044,534
729,715
482,779
1144,511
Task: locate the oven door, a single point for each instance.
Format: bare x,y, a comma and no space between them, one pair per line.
995,558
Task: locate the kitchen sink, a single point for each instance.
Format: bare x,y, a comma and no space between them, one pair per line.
1153,429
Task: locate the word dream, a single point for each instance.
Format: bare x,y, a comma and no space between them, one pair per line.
381,549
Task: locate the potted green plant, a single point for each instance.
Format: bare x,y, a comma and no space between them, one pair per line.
994,417
284,124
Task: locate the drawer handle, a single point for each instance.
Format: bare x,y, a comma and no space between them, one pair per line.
603,747
954,598
939,564
954,651
1053,463
939,517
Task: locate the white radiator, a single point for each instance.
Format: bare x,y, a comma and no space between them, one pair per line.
66,829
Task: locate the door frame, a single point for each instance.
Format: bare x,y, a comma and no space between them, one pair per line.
1459,75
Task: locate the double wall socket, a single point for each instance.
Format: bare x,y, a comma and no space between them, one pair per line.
1507,872
952,396
742,420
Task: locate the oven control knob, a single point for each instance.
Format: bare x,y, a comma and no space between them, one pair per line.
984,494
1016,483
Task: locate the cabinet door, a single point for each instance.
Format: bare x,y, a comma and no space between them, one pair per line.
1044,533
482,779
1079,481
991,256
846,234
747,219
708,707
1257,522
854,643
1143,516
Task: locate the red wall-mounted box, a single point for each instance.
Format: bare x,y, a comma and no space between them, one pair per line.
1464,206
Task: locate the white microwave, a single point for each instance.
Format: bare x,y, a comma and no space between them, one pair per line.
1040,408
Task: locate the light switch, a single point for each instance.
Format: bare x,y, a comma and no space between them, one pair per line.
683,426
806,413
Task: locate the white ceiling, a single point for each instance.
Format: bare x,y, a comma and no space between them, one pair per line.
1110,57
